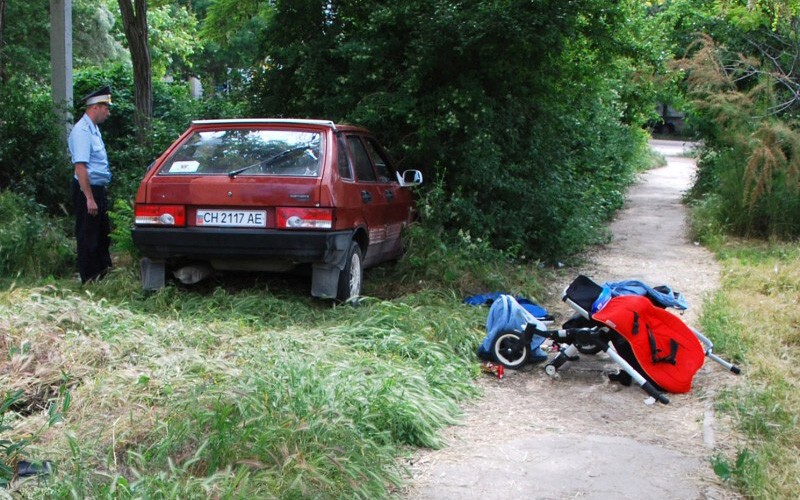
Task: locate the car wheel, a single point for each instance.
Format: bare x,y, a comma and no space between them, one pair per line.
509,350
351,276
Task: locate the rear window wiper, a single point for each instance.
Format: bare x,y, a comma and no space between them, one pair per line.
269,161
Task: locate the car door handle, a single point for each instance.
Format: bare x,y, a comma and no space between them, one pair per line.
366,197
389,194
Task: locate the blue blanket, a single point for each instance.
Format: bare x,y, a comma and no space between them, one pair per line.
486,299
662,295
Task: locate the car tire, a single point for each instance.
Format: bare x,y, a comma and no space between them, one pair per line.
351,276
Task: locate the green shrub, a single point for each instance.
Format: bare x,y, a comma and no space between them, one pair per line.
534,146
121,216
32,244
750,162
33,160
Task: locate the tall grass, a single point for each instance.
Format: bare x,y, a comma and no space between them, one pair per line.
755,319
186,394
749,169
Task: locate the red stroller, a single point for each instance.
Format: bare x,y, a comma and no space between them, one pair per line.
652,346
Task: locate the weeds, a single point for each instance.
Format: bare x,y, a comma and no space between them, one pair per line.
32,244
9,449
750,163
755,319
238,392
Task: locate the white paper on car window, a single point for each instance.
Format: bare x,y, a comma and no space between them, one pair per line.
184,167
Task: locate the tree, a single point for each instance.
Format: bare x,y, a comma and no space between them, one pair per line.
94,36
529,110
740,77
26,41
134,22
2,40
173,40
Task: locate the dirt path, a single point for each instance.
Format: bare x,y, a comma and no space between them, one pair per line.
581,436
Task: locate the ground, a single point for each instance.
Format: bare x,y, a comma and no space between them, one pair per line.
581,436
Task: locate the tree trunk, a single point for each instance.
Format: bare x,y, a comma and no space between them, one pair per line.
2,40
134,21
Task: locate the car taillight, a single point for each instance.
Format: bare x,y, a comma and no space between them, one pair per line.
161,215
304,218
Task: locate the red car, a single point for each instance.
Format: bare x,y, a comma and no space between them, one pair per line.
269,195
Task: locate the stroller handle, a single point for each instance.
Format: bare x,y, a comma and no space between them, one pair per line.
708,346
642,382
652,391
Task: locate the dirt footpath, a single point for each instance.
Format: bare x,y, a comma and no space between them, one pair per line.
582,436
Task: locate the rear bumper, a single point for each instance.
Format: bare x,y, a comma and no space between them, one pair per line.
328,247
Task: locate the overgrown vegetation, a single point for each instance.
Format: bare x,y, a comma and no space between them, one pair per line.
533,146
249,394
743,93
526,118
546,135
32,243
754,318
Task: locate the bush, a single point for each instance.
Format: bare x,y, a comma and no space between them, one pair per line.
750,164
33,161
534,146
32,244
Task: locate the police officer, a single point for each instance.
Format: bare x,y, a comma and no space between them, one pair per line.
92,176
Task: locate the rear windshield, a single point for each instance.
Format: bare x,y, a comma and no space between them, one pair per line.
248,152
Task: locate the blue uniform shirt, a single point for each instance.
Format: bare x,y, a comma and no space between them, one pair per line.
86,146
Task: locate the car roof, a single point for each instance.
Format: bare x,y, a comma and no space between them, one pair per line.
279,121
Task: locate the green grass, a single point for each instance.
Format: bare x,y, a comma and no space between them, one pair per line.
755,319
239,388
245,387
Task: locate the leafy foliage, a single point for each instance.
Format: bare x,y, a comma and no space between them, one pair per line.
94,35
173,40
31,243
25,49
741,114
32,160
540,135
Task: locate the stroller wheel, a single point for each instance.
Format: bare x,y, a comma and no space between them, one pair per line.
510,351
588,348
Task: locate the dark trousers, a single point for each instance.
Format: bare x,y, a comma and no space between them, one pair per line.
92,233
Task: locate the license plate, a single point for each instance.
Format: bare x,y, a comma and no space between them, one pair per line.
231,218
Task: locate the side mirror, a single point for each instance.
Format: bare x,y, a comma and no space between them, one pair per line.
409,178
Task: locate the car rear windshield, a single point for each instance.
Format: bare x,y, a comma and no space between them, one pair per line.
247,152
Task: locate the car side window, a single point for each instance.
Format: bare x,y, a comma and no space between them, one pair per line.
361,160
382,163
343,164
